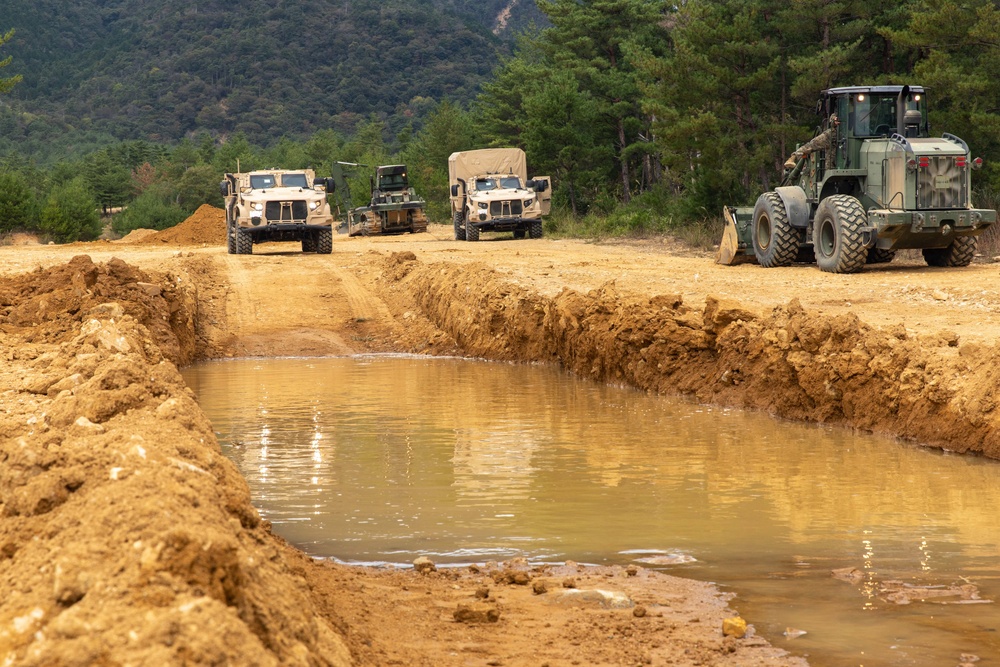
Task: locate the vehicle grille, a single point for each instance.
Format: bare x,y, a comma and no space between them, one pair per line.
506,208
285,211
942,183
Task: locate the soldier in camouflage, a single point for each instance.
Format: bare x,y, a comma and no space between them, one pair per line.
824,141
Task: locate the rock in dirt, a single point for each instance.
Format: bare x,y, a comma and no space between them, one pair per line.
734,627
476,614
424,565
593,598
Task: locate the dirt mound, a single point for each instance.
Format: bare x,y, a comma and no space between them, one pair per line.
50,305
206,225
136,235
127,537
20,238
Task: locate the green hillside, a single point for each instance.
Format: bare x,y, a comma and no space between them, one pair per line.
123,69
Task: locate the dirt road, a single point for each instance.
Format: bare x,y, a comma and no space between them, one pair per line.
128,537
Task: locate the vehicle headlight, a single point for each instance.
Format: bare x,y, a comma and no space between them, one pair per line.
529,201
483,205
313,205
258,206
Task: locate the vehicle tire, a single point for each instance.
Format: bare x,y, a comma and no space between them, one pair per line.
959,253
880,256
324,241
838,234
230,238
458,219
535,231
471,232
309,243
775,241
519,233
244,242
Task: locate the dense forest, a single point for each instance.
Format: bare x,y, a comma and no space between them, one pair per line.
649,115
136,69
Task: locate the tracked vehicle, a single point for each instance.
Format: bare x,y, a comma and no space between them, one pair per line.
883,185
394,207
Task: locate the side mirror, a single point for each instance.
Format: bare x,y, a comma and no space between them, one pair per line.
224,188
454,191
539,186
318,182
331,184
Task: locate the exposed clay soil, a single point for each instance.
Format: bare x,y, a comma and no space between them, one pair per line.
128,538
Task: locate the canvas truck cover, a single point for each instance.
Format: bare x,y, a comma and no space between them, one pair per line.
469,164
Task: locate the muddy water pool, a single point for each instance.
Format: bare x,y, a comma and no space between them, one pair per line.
381,459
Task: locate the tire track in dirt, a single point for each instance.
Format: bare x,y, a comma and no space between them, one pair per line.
270,310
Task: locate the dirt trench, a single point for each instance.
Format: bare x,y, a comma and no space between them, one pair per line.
128,538
788,362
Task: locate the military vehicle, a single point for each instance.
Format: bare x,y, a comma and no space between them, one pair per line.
394,207
490,191
884,185
277,205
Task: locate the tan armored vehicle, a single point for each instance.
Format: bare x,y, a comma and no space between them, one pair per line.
490,191
277,205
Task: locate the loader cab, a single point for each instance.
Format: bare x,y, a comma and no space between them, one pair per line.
870,113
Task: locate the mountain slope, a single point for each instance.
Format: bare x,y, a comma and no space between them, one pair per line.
145,69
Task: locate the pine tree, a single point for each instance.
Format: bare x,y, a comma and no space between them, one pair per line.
958,55
592,39
17,202
6,83
70,214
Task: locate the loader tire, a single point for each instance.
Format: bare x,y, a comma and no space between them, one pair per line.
880,256
535,231
309,243
838,234
458,219
775,241
959,253
231,238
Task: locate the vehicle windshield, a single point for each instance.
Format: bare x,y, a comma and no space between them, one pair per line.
484,184
875,115
294,181
261,181
392,182
512,182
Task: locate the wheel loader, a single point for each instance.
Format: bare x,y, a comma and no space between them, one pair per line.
884,184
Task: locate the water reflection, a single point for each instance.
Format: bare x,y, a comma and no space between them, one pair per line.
387,458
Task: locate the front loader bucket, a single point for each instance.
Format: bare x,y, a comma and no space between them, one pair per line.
736,246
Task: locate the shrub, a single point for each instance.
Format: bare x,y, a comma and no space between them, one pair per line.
153,209
70,213
18,208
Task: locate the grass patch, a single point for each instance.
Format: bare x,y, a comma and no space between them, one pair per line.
653,214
